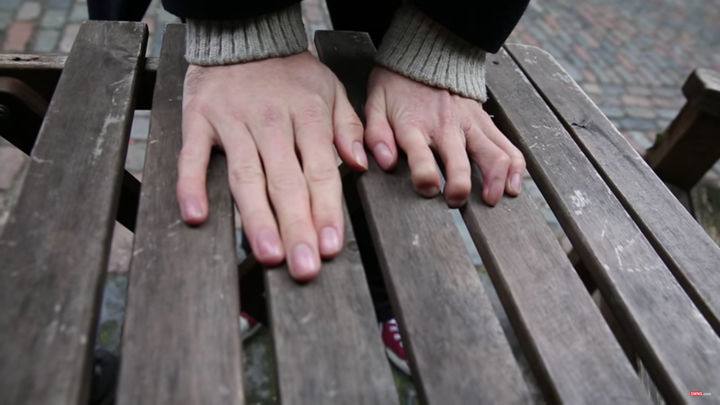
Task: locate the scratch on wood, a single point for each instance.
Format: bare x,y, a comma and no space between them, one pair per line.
109,120
583,125
42,161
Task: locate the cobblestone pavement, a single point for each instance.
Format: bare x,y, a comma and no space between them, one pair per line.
630,56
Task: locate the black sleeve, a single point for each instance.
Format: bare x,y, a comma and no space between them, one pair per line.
484,23
224,9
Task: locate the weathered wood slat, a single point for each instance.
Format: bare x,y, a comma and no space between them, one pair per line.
54,249
327,346
41,73
686,248
570,347
181,342
458,353
676,343
23,116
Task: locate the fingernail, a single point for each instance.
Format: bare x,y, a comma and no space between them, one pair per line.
303,260
382,154
516,183
329,240
268,244
193,209
429,192
359,152
455,203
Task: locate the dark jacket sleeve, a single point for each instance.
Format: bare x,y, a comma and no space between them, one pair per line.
485,23
224,9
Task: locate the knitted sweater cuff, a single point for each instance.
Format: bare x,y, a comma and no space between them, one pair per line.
270,35
418,48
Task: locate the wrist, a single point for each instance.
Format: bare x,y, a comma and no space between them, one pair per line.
418,48
281,33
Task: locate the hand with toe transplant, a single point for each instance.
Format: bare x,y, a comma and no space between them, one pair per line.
253,90
419,119
261,113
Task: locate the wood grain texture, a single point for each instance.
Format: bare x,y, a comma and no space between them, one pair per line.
327,346
181,342
706,203
41,72
23,116
54,249
457,351
672,337
688,251
570,347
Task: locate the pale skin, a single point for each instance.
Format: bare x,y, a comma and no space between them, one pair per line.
277,121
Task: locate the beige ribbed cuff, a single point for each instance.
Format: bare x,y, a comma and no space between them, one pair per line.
281,33
417,47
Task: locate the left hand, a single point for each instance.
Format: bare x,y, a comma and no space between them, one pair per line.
420,119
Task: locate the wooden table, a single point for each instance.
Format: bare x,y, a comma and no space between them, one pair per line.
655,267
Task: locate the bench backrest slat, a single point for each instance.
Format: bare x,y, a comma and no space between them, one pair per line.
545,299
643,294
327,346
181,342
55,246
687,249
457,350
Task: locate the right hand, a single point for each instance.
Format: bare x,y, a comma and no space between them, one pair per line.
264,114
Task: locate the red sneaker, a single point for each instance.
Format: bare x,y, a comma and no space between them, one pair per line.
393,345
248,325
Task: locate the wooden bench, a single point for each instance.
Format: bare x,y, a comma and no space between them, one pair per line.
653,264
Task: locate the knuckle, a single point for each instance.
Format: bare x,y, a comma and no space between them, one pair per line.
321,174
285,182
503,160
314,112
245,173
271,115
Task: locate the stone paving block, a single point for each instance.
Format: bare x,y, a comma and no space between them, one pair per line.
6,18
613,112
667,113
140,125
11,161
46,40
639,138
59,4
135,159
9,4
18,36
638,124
71,31
54,18
640,112
639,91
636,101
164,17
79,13
592,88
28,11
